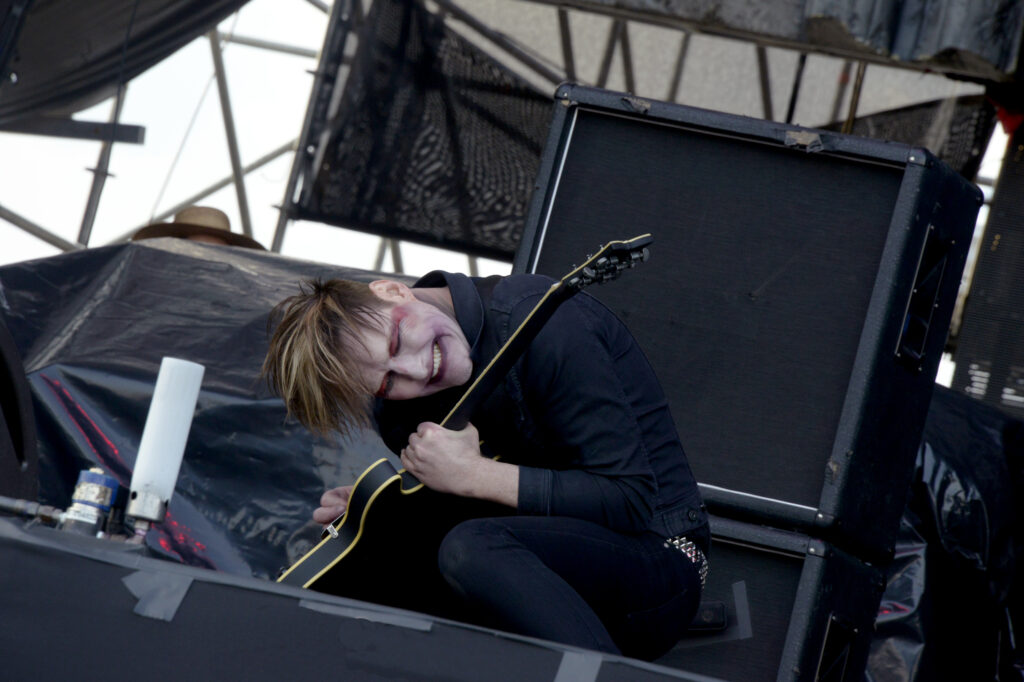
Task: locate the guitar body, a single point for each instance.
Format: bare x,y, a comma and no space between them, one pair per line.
384,547
387,543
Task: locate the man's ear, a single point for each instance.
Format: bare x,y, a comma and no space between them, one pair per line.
390,291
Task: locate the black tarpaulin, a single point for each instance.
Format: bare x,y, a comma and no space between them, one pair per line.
964,492
980,36
950,599
976,38
71,54
92,327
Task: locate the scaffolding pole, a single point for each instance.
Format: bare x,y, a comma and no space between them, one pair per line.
37,230
229,130
100,172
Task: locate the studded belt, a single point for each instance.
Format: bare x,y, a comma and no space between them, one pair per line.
693,553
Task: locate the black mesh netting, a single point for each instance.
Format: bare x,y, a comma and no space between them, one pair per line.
434,142
957,130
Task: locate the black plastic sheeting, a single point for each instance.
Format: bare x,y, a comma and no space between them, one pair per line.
953,586
92,327
957,34
70,54
976,38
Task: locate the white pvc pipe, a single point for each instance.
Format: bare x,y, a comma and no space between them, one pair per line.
167,425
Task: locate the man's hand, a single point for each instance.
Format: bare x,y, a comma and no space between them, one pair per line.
450,462
332,504
442,459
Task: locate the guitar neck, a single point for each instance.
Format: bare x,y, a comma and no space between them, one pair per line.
506,356
605,266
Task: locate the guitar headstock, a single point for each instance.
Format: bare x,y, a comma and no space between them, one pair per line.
609,262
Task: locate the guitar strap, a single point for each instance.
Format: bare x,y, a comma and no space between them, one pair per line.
490,343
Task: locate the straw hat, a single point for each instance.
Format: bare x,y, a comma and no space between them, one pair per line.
198,220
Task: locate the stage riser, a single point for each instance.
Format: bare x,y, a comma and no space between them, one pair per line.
80,608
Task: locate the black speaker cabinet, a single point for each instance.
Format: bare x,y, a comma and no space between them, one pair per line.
797,609
795,305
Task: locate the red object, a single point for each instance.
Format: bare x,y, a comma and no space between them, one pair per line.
1011,120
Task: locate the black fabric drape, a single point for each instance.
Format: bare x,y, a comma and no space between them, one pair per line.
71,54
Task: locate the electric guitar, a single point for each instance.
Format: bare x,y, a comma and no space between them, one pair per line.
384,547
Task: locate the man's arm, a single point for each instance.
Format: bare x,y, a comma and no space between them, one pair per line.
595,399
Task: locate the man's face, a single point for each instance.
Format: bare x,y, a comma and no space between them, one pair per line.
417,349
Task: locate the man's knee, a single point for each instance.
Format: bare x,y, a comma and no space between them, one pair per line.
468,550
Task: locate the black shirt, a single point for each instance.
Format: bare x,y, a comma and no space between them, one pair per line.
581,412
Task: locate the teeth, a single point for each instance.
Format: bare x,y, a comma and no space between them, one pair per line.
437,360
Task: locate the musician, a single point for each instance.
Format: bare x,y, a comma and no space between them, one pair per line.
604,543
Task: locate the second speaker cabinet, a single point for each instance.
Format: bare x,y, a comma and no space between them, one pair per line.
796,609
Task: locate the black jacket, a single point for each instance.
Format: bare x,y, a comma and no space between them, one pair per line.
581,413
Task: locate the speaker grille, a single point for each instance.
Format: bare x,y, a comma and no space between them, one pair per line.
752,305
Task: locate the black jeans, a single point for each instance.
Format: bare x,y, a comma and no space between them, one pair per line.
572,581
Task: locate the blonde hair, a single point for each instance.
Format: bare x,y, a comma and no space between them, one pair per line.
307,363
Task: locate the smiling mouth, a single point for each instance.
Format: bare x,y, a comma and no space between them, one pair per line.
437,362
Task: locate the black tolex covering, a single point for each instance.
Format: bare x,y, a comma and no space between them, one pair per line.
92,328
